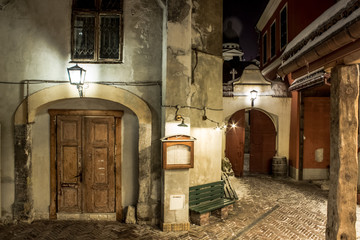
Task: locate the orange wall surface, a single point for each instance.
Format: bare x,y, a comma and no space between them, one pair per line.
316,131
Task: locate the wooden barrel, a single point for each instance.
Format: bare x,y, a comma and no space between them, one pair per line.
279,166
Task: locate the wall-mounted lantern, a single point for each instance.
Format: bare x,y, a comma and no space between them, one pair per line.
253,95
77,77
181,118
178,117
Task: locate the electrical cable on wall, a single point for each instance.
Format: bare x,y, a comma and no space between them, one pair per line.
192,107
25,82
204,117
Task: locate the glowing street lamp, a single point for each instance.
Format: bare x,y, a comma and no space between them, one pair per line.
253,95
77,77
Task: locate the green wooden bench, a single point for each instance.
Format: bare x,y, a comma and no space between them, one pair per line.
203,199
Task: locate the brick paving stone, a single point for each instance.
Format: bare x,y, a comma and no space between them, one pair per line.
268,209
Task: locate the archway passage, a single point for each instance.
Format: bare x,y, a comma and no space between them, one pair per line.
25,116
262,141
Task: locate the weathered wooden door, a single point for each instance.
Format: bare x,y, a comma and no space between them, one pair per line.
262,142
85,164
235,142
69,164
99,179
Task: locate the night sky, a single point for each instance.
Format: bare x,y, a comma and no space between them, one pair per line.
244,15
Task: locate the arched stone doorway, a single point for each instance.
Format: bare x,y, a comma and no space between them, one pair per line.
254,134
26,114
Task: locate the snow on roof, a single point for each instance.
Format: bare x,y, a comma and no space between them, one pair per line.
315,25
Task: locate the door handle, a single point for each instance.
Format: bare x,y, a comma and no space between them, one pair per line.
79,176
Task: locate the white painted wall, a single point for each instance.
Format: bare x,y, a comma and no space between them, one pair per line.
207,162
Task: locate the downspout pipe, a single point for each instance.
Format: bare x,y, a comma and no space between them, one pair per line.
163,5
347,35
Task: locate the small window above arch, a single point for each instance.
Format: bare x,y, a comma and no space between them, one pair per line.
97,32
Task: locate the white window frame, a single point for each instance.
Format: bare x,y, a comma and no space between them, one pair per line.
264,49
270,40
287,28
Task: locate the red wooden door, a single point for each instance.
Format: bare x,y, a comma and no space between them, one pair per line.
235,141
262,142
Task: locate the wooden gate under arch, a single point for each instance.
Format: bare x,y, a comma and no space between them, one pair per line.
262,142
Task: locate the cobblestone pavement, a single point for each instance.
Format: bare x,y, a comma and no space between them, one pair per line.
268,208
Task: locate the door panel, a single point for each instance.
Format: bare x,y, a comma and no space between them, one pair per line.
235,142
99,185
69,163
262,142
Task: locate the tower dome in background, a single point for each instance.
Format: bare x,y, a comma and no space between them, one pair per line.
231,44
230,37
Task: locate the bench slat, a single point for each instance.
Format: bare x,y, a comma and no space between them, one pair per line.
210,206
206,185
207,189
199,201
218,193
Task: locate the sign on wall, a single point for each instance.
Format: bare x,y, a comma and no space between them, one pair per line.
178,152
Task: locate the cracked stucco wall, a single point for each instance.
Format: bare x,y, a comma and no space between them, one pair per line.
194,78
206,89
34,49
178,89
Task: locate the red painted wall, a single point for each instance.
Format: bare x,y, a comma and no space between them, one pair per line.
316,131
304,12
300,14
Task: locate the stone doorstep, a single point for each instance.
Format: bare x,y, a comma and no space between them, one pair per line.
87,216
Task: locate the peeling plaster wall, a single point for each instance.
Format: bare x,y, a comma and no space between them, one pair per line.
197,76
194,78
209,141
35,38
206,89
178,89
